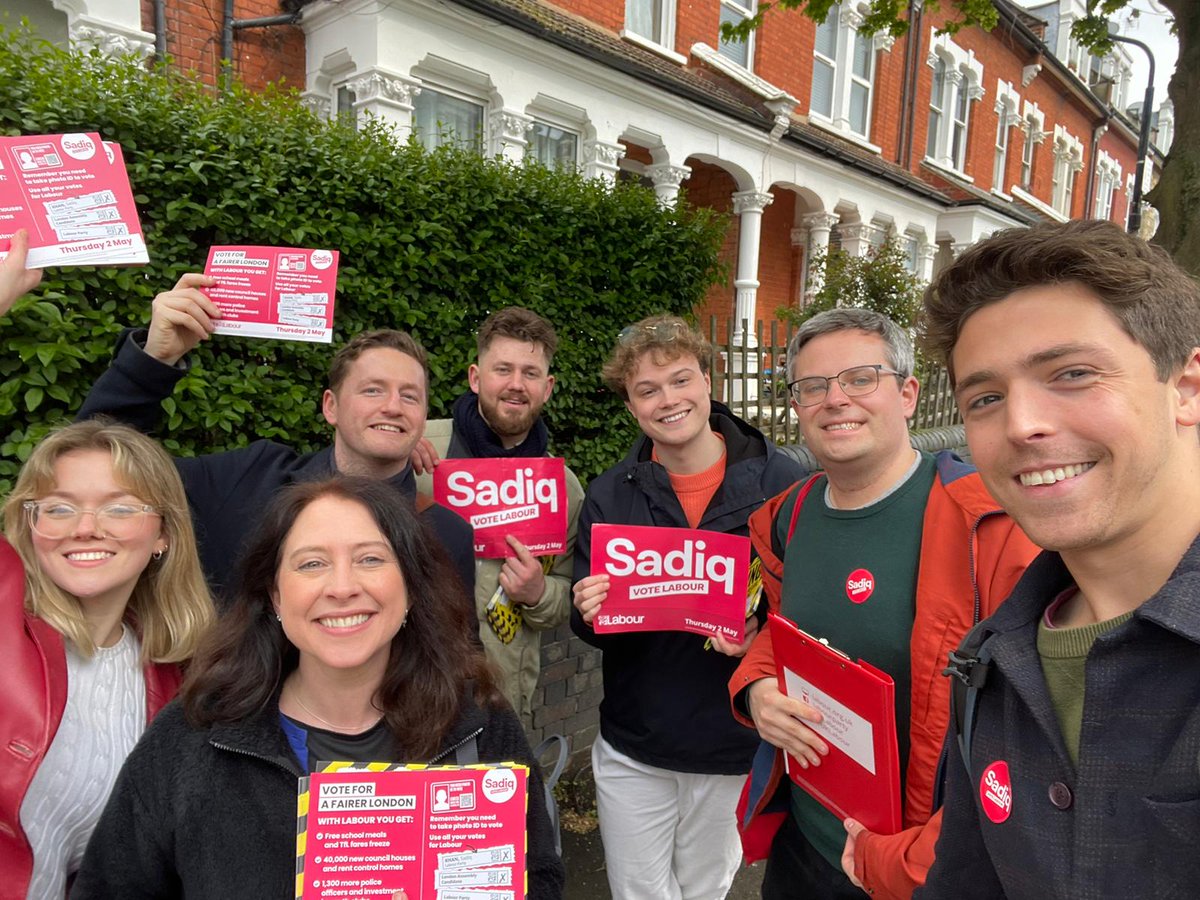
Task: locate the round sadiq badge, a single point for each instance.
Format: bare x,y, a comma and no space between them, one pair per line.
499,785
860,586
995,792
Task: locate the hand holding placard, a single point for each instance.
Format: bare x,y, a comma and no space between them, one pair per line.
274,292
671,579
525,498
181,318
15,279
72,193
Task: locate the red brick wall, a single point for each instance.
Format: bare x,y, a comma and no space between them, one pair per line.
261,55
776,289
713,187
608,14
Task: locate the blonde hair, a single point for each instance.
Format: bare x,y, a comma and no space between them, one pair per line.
170,607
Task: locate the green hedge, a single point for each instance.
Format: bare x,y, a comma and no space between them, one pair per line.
430,242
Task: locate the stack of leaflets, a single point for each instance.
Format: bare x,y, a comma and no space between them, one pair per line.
71,193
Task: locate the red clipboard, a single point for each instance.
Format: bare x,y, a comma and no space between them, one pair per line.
860,777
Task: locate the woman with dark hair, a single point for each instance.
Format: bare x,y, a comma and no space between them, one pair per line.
340,644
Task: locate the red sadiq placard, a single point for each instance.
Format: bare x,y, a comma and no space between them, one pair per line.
671,579
526,498
445,833
71,193
274,292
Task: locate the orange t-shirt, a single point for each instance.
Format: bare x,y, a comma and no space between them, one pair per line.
696,491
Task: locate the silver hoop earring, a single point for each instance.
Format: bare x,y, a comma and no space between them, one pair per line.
158,554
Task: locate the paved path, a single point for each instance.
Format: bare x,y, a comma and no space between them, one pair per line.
586,880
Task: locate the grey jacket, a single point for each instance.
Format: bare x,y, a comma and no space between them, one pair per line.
1123,823
519,661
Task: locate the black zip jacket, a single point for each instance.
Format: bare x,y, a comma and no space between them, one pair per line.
211,812
227,492
666,698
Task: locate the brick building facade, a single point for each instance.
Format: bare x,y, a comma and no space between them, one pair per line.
804,133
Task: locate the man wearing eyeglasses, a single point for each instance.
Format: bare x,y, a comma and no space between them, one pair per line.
891,556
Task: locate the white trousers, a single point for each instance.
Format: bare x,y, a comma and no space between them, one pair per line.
667,835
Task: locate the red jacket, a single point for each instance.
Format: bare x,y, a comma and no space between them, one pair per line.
971,557
33,671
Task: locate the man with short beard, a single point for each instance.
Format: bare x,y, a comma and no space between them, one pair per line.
500,417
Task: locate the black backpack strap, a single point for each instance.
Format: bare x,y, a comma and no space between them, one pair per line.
968,671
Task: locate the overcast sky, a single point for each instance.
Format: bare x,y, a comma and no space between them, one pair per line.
1151,26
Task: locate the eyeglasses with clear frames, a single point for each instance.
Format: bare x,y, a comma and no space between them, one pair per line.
57,519
857,381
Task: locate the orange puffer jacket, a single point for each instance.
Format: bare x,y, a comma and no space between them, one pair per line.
972,554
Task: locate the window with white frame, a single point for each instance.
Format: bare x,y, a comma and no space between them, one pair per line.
553,146
653,20
825,64
912,254
1108,179
1031,123
440,117
937,96
957,83
844,71
1007,104
734,12
1068,160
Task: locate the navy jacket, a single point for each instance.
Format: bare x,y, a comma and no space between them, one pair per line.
227,492
666,700
211,812
1122,824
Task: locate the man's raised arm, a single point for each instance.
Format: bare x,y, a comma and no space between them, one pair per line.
147,363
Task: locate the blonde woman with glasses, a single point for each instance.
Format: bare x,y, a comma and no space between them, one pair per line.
93,627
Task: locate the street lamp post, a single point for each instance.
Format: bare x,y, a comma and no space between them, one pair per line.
1135,204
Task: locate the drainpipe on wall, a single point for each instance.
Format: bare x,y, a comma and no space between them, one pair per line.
160,29
229,24
908,85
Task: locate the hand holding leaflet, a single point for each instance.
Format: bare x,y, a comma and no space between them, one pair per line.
860,776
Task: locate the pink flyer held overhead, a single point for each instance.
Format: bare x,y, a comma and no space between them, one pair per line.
672,579
72,194
524,497
274,292
377,831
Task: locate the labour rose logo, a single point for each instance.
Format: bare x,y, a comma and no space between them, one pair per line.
995,792
860,586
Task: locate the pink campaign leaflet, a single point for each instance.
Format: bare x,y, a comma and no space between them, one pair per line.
274,292
368,831
72,194
671,579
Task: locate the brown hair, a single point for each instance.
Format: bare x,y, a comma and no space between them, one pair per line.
170,607
667,337
521,325
1156,302
388,338
241,667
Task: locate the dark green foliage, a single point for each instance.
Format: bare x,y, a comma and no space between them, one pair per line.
430,243
880,280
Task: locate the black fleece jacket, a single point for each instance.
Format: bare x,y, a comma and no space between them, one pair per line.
666,700
227,492
211,812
